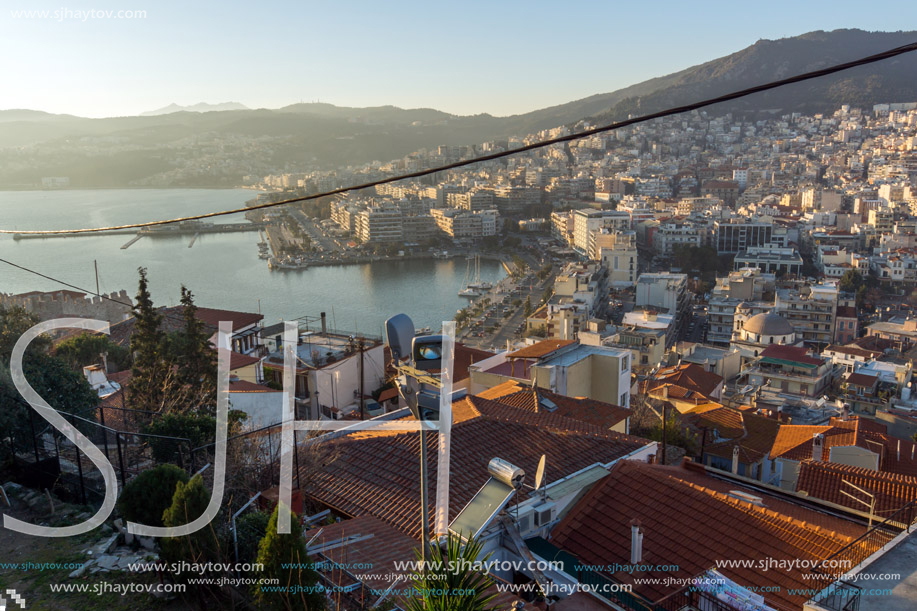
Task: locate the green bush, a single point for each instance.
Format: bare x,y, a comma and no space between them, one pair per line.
189,503
278,553
148,495
250,530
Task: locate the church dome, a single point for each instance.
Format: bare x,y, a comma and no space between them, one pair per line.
768,324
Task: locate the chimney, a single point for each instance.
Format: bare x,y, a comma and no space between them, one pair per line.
665,392
636,542
104,356
899,451
818,442
735,459
845,412
324,324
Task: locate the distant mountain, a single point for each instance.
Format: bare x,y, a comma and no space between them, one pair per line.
152,149
200,107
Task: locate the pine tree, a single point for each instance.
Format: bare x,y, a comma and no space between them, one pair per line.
188,503
195,356
148,346
278,553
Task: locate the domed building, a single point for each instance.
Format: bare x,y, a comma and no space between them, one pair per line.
752,335
767,328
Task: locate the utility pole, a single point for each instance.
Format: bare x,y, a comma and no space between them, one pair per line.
96,265
664,431
362,345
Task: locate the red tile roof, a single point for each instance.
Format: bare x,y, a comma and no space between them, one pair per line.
824,480
690,376
796,354
862,379
377,473
691,520
465,356
237,360
240,320
246,386
590,411
375,544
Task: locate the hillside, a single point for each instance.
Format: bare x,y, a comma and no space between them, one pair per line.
180,146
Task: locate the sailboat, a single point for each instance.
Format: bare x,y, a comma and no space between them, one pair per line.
467,290
477,283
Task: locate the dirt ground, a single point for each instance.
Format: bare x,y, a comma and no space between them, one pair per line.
34,583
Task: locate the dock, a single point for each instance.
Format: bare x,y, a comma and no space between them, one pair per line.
191,243
131,242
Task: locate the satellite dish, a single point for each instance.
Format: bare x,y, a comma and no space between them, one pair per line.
539,473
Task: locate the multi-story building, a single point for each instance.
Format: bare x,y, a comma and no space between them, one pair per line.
770,259
463,225
811,310
562,226
618,253
380,223
792,369
738,287
671,234
586,222
583,282
737,235
665,291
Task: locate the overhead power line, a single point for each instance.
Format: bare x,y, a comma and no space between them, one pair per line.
522,149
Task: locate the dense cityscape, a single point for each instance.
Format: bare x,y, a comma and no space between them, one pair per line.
688,387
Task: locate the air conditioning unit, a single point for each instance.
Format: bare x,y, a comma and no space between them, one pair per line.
524,523
544,514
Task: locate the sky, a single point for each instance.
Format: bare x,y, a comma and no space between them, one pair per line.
500,57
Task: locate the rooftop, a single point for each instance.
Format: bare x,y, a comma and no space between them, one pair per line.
481,430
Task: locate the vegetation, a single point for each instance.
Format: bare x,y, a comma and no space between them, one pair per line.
251,528
146,497
453,567
148,345
278,554
188,503
63,388
86,349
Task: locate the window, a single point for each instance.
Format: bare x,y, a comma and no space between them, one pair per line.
624,366
623,400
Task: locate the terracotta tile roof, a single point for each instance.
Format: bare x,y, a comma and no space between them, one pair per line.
590,411
794,441
725,421
861,379
846,312
212,318
465,356
121,377
237,360
121,332
690,376
246,386
388,394
796,354
823,480
377,473
756,442
854,350
540,349
690,520
379,546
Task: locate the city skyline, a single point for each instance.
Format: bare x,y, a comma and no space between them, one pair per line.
497,59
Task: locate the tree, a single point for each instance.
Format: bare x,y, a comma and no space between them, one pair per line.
148,346
283,557
194,355
146,497
454,567
527,310
64,389
851,281
188,503
87,349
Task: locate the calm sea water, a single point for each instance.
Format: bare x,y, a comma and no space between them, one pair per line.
223,270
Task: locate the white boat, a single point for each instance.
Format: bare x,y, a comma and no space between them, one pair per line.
477,283
467,290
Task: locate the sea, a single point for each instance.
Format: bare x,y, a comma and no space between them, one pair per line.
221,270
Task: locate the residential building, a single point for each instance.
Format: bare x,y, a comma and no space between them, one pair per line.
793,370
811,309
586,222
665,291
770,259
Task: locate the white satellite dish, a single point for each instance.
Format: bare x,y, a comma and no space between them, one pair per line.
539,473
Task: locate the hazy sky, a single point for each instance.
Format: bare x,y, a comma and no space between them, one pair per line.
501,57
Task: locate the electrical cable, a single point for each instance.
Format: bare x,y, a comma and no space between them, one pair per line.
493,156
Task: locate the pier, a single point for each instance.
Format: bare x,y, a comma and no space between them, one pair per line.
131,242
191,243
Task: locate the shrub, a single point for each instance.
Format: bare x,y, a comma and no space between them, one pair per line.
148,495
274,552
